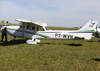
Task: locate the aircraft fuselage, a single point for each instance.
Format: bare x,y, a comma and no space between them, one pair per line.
52,34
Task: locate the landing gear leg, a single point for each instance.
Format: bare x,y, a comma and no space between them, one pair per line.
13,40
99,37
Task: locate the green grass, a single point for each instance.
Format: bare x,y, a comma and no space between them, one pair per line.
50,55
61,28
8,24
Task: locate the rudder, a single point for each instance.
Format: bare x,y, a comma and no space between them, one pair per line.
90,26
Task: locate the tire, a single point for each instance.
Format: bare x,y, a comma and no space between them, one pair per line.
98,40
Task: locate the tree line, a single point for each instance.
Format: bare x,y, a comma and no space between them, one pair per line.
3,21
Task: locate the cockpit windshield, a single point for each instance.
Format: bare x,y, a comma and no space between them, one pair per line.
47,28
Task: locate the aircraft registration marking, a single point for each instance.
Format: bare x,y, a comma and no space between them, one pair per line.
65,36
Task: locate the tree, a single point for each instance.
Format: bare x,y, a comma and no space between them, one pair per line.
2,21
7,22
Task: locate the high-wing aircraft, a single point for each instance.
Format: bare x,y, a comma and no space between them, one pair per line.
38,30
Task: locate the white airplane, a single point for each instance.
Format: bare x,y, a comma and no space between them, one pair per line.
38,30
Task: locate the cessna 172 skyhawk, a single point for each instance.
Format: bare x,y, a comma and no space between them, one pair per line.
35,30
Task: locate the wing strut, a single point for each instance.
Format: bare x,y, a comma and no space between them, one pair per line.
23,26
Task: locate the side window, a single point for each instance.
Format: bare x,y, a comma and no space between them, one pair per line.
30,27
27,26
40,29
33,27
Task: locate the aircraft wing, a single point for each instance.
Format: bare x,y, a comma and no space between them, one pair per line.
29,22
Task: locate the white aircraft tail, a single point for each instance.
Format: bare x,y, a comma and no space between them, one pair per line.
89,27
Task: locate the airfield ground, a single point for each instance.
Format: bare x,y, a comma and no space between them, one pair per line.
50,55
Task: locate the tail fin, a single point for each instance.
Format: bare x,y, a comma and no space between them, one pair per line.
90,26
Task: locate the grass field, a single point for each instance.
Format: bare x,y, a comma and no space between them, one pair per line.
50,55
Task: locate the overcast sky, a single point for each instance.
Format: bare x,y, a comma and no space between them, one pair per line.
64,13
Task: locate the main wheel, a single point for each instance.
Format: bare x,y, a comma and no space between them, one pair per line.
13,41
98,40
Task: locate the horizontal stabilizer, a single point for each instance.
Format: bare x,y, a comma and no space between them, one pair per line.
88,36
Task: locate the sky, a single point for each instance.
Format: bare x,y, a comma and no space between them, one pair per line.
62,13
